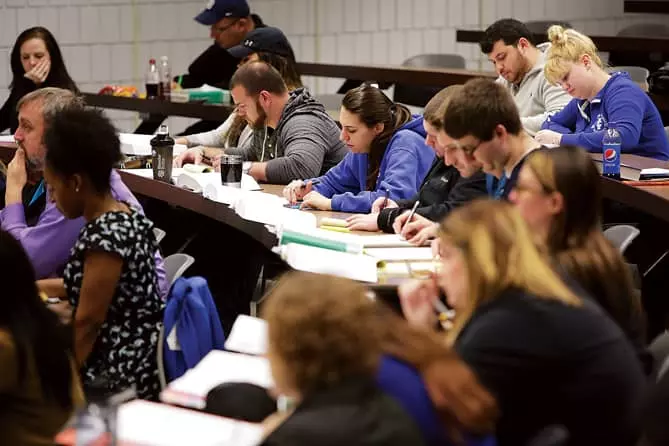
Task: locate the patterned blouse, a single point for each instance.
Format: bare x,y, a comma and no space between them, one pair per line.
124,353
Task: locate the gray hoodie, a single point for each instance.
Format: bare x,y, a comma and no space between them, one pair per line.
305,143
535,97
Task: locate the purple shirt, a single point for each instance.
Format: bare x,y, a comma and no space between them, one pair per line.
49,242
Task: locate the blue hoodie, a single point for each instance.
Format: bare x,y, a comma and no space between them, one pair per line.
404,165
620,101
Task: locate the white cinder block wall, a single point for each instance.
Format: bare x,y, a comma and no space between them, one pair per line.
111,41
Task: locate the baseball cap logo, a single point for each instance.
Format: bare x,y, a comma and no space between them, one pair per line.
610,155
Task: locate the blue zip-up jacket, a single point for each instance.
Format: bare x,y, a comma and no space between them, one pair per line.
191,310
404,165
621,101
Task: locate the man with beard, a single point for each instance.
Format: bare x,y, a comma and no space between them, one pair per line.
29,215
294,137
509,46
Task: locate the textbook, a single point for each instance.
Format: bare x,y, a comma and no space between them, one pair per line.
217,367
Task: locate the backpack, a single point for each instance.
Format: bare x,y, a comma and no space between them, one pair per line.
192,327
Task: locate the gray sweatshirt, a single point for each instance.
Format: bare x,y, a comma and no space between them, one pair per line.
535,97
305,143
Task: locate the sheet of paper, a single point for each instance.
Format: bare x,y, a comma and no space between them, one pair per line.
406,269
327,261
655,171
216,368
147,423
248,335
400,254
383,241
140,145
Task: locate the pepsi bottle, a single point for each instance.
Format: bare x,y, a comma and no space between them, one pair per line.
611,144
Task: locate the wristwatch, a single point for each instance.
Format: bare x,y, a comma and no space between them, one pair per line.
246,166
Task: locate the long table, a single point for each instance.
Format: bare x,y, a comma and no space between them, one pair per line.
158,107
603,43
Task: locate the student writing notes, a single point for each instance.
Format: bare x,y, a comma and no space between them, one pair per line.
600,99
387,151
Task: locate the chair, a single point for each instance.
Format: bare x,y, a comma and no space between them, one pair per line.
176,265
419,95
159,234
541,26
621,236
659,348
637,74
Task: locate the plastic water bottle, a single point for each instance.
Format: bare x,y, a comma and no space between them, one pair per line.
611,144
165,79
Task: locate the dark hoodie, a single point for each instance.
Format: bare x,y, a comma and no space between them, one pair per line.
305,143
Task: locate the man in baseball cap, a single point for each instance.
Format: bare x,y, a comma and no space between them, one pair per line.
263,40
229,21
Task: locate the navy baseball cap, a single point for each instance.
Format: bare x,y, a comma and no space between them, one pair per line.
267,40
220,9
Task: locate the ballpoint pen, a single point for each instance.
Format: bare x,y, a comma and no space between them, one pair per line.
411,214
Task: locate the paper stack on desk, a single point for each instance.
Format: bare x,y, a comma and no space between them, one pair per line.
218,367
146,423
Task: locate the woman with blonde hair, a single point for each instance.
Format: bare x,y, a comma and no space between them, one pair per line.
601,100
549,195
548,355
344,361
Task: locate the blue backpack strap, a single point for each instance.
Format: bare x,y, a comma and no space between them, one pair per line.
490,184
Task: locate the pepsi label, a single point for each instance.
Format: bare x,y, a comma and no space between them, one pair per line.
611,161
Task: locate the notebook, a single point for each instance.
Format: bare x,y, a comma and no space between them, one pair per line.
218,367
401,254
146,423
327,261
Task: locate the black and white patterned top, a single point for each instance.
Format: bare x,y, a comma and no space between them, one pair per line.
124,353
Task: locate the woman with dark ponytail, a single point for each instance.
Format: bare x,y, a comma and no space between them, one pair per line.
388,156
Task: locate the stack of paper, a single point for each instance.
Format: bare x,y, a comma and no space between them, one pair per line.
326,261
248,335
145,423
218,367
401,254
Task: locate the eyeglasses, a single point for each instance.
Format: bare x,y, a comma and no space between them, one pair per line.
221,29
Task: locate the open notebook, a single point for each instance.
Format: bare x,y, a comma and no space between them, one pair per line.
218,367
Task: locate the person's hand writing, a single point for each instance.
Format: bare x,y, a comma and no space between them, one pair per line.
362,222
190,156
314,200
296,190
416,299
17,177
40,72
417,231
377,206
548,137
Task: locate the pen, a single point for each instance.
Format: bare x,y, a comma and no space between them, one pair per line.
385,200
313,183
413,211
